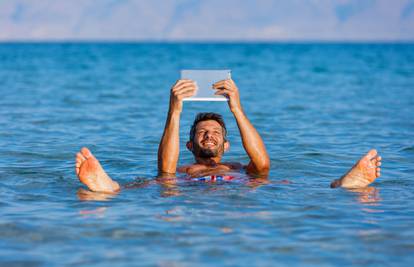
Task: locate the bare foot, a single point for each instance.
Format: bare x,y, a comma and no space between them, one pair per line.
91,173
364,172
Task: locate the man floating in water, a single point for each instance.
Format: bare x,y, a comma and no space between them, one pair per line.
208,143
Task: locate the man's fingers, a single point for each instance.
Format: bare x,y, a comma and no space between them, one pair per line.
224,84
224,92
225,80
180,83
219,83
221,91
185,90
183,86
229,85
185,95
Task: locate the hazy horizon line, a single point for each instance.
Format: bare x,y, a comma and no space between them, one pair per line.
213,41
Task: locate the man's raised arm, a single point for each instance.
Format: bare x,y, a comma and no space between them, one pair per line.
252,142
169,147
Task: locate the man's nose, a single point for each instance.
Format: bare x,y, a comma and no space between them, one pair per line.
208,134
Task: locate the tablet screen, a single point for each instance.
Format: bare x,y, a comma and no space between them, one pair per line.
205,80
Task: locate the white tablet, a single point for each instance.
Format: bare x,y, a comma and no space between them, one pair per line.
205,80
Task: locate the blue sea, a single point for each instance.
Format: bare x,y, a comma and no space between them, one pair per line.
318,106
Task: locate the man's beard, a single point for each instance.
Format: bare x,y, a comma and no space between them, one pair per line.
206,152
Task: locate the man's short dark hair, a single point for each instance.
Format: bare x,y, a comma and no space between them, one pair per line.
206,116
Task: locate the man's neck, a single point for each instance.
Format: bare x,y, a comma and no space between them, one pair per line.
213,161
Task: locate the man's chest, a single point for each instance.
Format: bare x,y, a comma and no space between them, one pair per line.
202,170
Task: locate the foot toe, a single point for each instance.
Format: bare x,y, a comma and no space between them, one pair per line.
378,171
86,152
378,163
80,157
372,153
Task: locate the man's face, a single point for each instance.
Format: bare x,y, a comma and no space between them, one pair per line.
208,139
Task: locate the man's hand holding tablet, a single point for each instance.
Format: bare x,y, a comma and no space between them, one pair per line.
180,90
204,80
229,89
205,85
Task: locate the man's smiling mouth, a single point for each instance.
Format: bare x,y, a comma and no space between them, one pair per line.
209,143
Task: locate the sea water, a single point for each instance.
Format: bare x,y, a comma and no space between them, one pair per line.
318,107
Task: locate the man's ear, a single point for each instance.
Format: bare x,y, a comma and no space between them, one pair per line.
189,145
226,146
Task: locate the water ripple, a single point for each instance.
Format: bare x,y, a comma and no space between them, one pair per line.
318,107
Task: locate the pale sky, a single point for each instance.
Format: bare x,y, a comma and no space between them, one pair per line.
207,20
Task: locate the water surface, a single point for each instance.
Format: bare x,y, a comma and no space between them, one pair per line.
318,107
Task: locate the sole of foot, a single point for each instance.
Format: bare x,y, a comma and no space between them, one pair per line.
90,173
363,173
